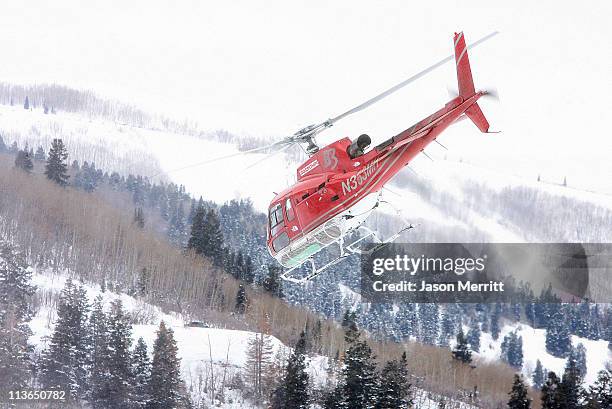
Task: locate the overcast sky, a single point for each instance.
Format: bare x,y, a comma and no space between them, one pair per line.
267,68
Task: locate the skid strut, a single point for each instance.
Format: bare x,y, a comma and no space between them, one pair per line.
345,251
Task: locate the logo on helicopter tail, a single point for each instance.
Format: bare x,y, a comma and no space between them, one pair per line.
307,168
358,179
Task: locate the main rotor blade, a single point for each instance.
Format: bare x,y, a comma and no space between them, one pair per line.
405,82
206,162
268,156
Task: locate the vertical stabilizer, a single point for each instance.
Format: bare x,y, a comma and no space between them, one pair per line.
466,83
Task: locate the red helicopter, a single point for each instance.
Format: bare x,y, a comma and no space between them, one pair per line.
339,186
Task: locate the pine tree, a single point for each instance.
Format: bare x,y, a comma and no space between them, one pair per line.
26,103
359,377
142,284
518,395
570,389
272,283
512,350
539,375
23,161
119,360
15,291
292,393
65,362
141,370
197,239
599,395
87,177
447,328
242,301
3,147
14,147
558,335
578,354
165,382
99,356
176,228
40,154
581,322
461,351
139,219
333,399
247,270
428,317
404,320
394,390
495,330
550,394
473,336
214,238
596,330
57,168
206,237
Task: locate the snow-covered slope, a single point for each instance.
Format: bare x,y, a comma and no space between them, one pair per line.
534,347
168,155
152,153
203,351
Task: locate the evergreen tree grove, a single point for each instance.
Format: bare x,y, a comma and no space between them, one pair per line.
15,290
65,363
23,161
394,390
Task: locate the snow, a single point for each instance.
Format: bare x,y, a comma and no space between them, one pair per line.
197,347
153,153
534,348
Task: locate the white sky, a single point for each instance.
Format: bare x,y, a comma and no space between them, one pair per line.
267,68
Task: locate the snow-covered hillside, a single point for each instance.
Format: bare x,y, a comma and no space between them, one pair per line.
161,154
153,153
598,356
203,351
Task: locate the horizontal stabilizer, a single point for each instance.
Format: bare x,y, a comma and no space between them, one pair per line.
475,114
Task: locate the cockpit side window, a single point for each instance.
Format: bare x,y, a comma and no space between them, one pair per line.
276,218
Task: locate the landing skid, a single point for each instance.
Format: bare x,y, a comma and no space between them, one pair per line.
345,251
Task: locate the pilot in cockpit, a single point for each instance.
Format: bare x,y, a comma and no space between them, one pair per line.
358,147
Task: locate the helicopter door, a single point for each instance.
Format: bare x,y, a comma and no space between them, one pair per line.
292,222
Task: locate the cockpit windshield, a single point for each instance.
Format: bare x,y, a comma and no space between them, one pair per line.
276,218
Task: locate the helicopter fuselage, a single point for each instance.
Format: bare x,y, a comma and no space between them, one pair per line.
324,204
337,190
